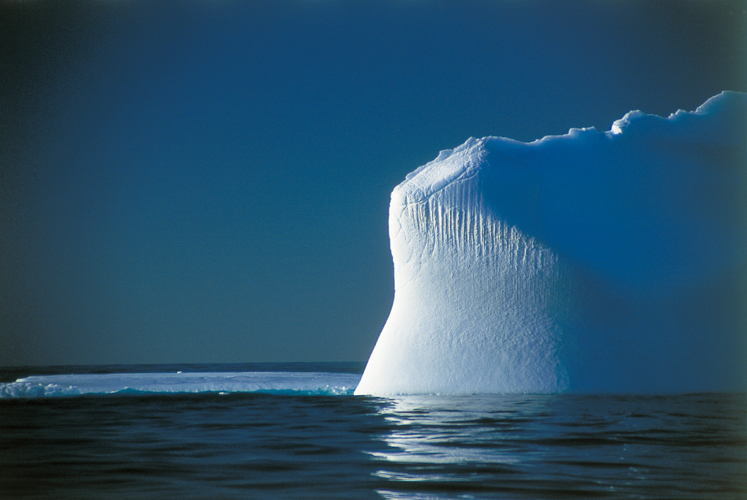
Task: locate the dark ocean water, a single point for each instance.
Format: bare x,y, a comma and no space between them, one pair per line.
211,445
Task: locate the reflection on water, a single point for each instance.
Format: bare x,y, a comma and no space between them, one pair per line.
539,446
453,430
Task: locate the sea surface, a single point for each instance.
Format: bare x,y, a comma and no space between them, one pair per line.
282,431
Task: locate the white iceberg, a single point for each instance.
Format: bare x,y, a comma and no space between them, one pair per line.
589,262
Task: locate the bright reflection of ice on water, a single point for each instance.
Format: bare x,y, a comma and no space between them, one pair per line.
433,431
544,446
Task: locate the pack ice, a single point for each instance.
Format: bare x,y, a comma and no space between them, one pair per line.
605,262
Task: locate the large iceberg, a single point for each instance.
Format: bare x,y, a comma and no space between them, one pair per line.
589,262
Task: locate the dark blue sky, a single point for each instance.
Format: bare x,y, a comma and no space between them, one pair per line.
208,181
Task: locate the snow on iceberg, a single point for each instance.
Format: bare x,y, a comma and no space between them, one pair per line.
589,262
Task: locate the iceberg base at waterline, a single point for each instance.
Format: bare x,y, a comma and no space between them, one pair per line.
608,262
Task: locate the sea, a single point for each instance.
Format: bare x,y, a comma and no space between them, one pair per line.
296,431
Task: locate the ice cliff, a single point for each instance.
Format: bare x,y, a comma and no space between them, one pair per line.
589,262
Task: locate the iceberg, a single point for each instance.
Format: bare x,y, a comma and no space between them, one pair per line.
602,262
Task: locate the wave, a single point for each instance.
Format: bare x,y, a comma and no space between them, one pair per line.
302,383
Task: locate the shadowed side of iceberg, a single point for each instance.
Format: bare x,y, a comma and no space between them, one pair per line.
589,262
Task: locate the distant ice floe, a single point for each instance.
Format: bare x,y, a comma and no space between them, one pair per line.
313,383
